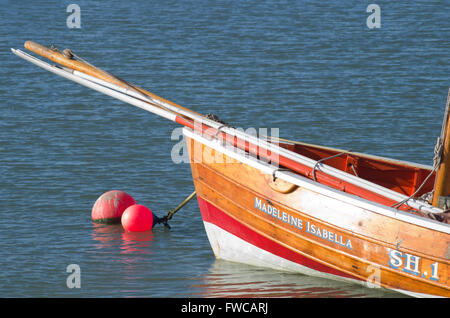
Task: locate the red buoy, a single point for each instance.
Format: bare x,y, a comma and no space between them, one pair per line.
110,206
137,218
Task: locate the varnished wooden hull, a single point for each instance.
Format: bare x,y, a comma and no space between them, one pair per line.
335,220
312,229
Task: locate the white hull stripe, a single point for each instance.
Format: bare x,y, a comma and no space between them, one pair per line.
229,247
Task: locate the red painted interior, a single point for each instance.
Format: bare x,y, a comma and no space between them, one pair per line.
402,178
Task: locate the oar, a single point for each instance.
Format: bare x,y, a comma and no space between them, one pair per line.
254,145
57,57
103,77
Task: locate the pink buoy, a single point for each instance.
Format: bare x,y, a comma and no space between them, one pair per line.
137,218
110,206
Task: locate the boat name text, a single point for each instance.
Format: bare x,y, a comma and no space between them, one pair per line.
308,227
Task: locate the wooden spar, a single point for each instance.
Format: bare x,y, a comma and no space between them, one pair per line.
300,164
61,59
442,183
80,66
116,93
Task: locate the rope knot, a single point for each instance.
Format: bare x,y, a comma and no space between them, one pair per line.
438,149
68,53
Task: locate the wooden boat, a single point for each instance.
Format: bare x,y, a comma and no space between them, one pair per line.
299,207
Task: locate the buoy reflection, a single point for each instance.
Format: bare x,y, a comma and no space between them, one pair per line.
106,235
137,242
114,236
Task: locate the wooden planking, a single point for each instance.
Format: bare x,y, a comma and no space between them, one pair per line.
356,220
361,246
280,185
220,179
357,267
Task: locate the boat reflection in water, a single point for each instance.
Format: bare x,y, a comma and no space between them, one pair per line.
229,279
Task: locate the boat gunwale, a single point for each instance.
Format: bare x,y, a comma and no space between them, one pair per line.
358,277
347,232
358,154
320,188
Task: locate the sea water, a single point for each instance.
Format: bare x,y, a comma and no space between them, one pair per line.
320,72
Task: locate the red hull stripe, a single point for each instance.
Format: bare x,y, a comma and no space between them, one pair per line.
213,215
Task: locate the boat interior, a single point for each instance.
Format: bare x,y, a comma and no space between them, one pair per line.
402,177
399,176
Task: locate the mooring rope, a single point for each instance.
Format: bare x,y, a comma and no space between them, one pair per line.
398,204
170,214
70,54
